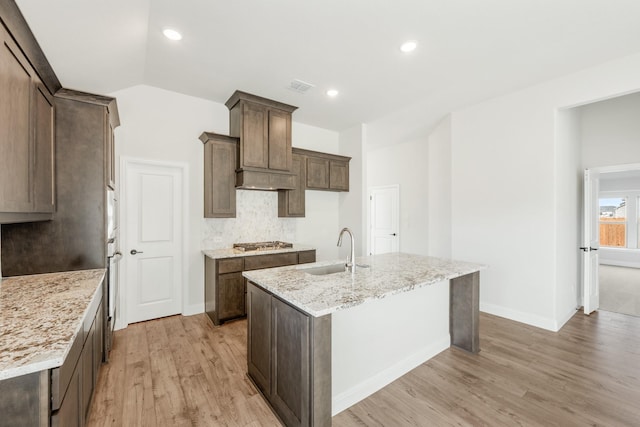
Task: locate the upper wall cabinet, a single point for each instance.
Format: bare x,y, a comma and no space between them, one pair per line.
264,129
219,175
324,171
27,120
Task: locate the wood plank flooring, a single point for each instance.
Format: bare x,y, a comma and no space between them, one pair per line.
184,371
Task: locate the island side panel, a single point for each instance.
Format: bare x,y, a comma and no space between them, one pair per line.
464,315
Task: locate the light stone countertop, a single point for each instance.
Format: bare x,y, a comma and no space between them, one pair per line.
386,275
235,253
40,316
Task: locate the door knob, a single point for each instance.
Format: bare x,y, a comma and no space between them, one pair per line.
133,252
392,234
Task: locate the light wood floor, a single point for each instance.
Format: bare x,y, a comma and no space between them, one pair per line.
184,371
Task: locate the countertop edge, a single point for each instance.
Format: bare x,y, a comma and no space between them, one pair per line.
231,253
57,360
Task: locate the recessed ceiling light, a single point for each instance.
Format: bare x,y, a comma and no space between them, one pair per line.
409,46
332,93
172,34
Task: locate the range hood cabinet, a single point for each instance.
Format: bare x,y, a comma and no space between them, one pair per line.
252,179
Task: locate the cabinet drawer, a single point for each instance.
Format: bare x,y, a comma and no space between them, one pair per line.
230,265
306,257
268,261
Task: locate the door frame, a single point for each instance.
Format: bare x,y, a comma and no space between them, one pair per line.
370,190
125,163
599,171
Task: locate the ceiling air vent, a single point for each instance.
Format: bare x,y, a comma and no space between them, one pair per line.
299,86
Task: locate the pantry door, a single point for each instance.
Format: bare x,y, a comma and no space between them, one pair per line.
154,200
384,208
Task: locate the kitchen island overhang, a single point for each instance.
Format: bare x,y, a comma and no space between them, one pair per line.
335,338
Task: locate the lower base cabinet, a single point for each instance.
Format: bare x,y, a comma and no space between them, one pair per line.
225,288
58,397
289,359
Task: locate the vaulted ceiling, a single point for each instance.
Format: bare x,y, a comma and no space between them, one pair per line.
468,50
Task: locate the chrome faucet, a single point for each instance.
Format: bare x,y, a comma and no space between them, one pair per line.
351,259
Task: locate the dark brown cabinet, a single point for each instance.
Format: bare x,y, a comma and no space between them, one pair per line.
264,129
259,338
285,349
27,138
220,153
325,171
78,235
225,287
291,203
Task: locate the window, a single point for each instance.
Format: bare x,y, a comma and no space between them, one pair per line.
613,222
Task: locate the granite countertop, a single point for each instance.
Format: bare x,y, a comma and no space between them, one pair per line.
386,275
234,253
40,315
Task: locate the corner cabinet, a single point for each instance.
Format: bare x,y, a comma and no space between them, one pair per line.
220,157
27,114
225,287
325,171
286,348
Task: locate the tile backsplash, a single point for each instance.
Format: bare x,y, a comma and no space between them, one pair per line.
256,221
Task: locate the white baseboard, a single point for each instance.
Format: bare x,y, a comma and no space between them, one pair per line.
371,385
564,319
190,310
520,316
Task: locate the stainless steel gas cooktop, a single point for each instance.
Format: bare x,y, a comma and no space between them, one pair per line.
261,246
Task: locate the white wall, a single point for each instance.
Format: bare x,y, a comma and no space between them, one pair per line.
353,203
405,164
163,125
568,208
610,131
507,188
439,190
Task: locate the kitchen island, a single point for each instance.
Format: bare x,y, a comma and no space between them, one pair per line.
318,342
50,346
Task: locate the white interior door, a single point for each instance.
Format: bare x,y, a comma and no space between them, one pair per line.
590,242
385,219
153,242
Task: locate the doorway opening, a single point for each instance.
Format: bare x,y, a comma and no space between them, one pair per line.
619,224
611,279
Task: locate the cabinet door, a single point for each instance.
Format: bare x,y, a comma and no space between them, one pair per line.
290,364
279,140
317,173
220,179
44,172
254,150
69,414
291,203
259,337
16,78
86,361
339,175
231,302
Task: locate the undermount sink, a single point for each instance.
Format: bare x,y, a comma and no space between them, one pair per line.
330,269
326,269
